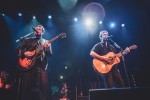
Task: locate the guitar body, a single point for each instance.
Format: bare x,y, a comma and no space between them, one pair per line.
104,67
25,63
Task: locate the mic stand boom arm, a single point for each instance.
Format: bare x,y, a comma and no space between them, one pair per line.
20,39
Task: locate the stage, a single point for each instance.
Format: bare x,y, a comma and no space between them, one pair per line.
139,93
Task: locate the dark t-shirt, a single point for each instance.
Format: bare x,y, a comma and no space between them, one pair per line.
101,49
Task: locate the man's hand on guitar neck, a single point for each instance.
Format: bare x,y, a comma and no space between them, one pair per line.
127,49
29,53
47,44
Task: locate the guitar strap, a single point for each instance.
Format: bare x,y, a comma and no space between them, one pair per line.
112,49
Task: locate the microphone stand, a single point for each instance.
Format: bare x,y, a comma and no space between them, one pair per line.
20,76
21,38
117,46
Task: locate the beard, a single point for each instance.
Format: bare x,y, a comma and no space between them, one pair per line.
38,36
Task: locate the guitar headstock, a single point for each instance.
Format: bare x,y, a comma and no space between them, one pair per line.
129,48
62,35
133,47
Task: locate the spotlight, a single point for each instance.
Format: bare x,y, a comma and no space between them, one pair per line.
3,14
19,14
34,17
100,22
61,77
88,22
90,25
49,16
66,67
112,25
75,19
122,25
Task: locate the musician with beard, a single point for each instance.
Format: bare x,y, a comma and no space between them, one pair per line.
33,64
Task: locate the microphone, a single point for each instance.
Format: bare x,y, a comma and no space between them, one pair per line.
109,36
34,29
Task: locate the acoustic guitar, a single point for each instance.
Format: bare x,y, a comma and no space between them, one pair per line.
113,59
27,63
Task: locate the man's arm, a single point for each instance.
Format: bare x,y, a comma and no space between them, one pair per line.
21,50
97,56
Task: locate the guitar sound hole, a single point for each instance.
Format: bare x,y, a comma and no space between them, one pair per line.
110,60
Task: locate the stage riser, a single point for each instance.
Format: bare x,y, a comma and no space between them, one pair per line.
120,94
83,98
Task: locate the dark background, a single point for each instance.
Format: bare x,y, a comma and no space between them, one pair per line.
73,51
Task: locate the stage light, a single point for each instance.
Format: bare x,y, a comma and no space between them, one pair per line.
3,14
90,25
61,77
100,22
49,16
88,22
66,67
75,19
67,5
122,25
19,14
112,25
34,17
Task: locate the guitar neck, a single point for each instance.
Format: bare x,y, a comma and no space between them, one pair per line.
120,54
42,46
125,51
53,39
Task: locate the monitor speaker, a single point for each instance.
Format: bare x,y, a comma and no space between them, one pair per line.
120,94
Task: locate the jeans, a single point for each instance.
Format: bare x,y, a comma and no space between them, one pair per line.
35,85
